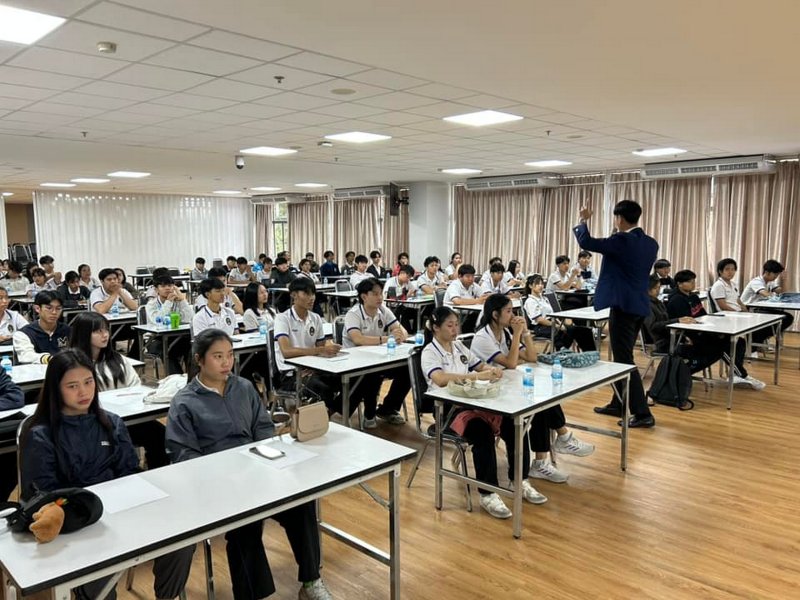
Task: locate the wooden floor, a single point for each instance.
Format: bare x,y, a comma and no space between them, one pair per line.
707,509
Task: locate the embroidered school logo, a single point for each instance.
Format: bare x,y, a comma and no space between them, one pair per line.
227,321
105,443
463,359
10,329
62,342
311,330
380,323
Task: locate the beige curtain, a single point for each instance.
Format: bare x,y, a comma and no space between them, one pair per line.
264,234
394,233
308,227
356,226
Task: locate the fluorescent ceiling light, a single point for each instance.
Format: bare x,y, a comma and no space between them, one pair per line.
546,164
57,185
227,192
311,185
7,194
267,151
129,174
25,26
89,180
659,152
484,117
265,188
460,171
358,137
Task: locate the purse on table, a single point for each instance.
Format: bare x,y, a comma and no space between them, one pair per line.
310,421
570,359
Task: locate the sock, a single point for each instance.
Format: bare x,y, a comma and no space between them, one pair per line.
565,436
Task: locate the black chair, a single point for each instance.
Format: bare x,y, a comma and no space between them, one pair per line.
338,329
552,298
141,319
438,297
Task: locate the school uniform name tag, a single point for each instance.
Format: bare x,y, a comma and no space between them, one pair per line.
463,359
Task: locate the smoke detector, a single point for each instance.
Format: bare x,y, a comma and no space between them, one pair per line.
106,47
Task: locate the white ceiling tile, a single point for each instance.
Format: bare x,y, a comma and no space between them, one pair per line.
59,8
92,100
389,79
201,60
7,50
13,103
487,102
349,110
362,90
528,111
232,90
442,92
71,132
187,100
21,91
83,37
16,127
255,111
121,90
104,125
441,109
65,109
397,101
161,110
294,101
41,79
243,45
324,65
561,118
126,117
396,118
129,19
205,119
42,119
131,138
66,63
270,125
158,77
308,118
293,78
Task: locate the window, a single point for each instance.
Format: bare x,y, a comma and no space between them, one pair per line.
280,227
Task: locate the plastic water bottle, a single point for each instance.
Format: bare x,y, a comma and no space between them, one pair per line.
159,322
6,364
391,346
419,339
527,383
262,328
115,310
325,281
557,373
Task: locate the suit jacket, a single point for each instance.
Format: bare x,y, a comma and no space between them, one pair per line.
628,258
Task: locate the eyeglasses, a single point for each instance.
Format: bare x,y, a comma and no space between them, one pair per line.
50,308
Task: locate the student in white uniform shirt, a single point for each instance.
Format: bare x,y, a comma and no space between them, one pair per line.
400,286
504,340
106,296
585,265
564,278
464,291
242,274
10,320
725,293
52,276
87,279
538,308
199,272
766,286
14,281
432,278
485,276
360,273
214,315
256,306
299,332
514,276
496,284
305,270
169,299
451,271
369,323
231,299
39,283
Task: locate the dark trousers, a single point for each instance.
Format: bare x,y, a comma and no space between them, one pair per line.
788,319
8,474
469,322
541,426
369,388
569,334
250,573
150,435
323,388
480,435
624,329
177,355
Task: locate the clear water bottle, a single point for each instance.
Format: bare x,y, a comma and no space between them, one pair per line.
557,373
391,346
262,328
159,322
6,364
419,339
527,383
325,280
115,310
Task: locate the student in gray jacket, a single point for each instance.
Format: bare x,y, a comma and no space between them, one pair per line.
217,411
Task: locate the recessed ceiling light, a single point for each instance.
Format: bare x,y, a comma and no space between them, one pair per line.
267,151
265,188
343,91
25,26
460,171
483,117
7,194
57,185
311,185
659,152
546,164
89,180
357,137
227,192
129,174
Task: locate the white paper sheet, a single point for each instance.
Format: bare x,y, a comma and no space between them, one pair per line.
294,454
127,492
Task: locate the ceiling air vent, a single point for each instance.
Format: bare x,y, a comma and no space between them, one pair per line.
732,165
527,180
369,191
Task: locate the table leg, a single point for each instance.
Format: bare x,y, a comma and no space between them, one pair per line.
517,510
437,415
394,533
731,370
346,400
778,341
673,333
555,324
165,354
623,459
140,336
61,592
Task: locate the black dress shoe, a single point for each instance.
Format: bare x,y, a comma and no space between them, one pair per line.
644,422
609,409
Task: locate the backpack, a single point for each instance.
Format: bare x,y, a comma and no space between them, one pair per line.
672,384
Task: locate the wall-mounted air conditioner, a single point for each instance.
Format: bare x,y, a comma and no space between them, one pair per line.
527,180
274,198
732,165
369,191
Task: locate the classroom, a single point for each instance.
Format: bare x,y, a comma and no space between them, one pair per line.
381,300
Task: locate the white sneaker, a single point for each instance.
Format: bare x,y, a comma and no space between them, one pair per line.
531,495
754,355
572,445
393,418
494,505
544,469
370,424
315,591
740,380
755,383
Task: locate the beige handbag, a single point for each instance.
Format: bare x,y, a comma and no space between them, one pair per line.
310,421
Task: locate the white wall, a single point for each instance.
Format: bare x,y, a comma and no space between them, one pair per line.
430,222
130,230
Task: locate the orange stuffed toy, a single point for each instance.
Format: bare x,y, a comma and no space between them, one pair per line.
47,522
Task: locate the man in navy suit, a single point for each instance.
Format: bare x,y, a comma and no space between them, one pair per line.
628,256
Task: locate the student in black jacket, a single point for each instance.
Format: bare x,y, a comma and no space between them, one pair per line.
71,292
11,397
662,268
39,341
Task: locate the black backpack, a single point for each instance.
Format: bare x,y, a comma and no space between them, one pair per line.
672,384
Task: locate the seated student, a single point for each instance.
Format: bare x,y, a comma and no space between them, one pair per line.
537,308
376,269
360,274
90,335
230,263
485,276
401,284
242,274
514,276
766,286
72,442
231,299
451,271
282,276
46,336
256,307
150,292
3,267
87,279
199,272
214,314
39,283
14,281
503,340
306,271
585,265
52,276
329,268
71,292
432,278
495,283
402,260
369,323
217,411
683,302
265,276
127,285
288,256
299,332
314,266
168,300
10,320
662,268
349,266
11,398
445,359
700,352
110,293
564,278
463,291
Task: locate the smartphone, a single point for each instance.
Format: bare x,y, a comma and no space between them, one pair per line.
267,452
